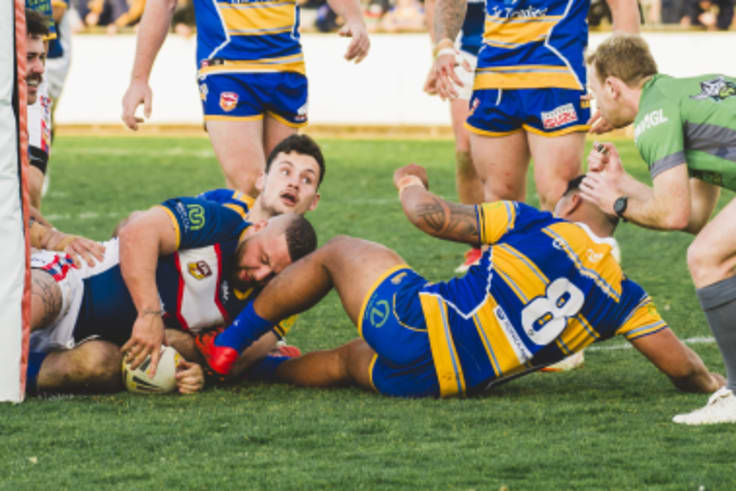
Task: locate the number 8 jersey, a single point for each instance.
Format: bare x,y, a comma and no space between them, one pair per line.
544,289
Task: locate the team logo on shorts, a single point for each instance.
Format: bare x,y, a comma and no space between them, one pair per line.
203,91
199,269
379,313
559,116
717,89
228,101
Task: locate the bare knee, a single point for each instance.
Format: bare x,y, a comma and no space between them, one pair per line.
704,266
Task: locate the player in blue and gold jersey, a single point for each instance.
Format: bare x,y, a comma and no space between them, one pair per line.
529,94
252,77
547,286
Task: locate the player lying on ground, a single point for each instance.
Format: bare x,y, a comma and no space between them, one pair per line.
188,264
294,172
686,133
548,286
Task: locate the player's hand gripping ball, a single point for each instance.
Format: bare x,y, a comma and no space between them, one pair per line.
141,381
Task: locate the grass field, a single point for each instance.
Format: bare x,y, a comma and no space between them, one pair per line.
605,426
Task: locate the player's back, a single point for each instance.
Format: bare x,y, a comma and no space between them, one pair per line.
263,32
544,289
534,43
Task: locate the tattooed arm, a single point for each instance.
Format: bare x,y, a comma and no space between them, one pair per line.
45,299
448,18
432,214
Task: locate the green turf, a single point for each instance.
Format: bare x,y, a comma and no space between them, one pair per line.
605,426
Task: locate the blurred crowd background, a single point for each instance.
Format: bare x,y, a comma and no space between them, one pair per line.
113,16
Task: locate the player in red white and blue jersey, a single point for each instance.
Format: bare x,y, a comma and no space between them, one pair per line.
252,77
547,286
188,264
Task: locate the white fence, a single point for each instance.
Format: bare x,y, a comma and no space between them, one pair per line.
384,90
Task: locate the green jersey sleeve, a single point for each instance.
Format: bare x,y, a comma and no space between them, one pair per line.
658,135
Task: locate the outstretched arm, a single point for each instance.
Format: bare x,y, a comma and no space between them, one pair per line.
681,364
142,241
432,214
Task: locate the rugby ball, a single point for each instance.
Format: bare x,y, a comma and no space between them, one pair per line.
141,381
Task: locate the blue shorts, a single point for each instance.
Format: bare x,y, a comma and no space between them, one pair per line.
392,323
547,111
248,96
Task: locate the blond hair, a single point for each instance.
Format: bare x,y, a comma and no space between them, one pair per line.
624,56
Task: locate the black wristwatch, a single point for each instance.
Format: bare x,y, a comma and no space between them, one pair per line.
619,206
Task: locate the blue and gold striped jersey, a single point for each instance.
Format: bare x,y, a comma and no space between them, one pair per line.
248,36
533,44
544,289
44,7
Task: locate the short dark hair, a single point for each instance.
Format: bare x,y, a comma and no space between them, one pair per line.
36,25
301,239
302,144
573,184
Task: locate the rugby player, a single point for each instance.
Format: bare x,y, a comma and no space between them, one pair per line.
547,286
685,131
40,29
251,75
295,170
468,43
42,234
529,92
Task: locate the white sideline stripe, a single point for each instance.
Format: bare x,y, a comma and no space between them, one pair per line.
87,215
148,153
617,347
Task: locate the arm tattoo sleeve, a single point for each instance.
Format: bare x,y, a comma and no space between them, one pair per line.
449,220
448,18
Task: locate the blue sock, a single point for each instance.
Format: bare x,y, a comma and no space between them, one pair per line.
34,366
246,328
265,368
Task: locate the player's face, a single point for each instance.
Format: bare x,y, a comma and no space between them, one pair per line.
261,256
607,104
35,65
291,184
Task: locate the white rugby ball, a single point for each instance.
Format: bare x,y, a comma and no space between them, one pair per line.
140,380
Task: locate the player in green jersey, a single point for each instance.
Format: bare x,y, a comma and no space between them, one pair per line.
685,130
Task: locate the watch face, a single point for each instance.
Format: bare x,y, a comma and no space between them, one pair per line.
619,206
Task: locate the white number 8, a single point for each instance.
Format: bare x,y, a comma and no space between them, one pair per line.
544,318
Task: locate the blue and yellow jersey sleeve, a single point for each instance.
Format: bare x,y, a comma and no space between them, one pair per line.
199,222
235,200
642,320
495,219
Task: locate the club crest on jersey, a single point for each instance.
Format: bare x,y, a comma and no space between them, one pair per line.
559,116
228,101
199,269
717,89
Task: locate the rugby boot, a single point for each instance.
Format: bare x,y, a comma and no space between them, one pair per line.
220,359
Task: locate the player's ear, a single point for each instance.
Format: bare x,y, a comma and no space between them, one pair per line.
261,182
613,86
259,225
315,202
